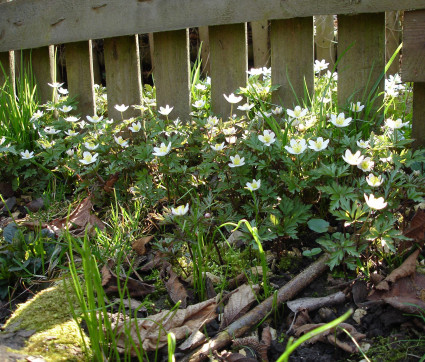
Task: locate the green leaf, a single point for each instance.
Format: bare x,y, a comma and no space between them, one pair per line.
312,252
318,225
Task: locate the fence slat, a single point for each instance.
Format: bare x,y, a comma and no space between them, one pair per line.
418,117
79,70
205,51
413,61
392,39
229,63
26,24
292,59
123,75
171,71
361,65
260,43
42,62
325,39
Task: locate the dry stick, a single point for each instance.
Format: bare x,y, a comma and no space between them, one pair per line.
249,320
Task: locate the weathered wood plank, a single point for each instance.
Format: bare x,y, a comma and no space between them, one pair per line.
31,24
123,75
292,54
392,40
324,39
79,69
42,62
413,61
418,119
363,63
205,50
171,72
229,63
260,43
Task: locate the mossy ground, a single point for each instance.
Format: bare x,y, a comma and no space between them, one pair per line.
57,336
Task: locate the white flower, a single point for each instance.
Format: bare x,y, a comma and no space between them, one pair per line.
277,111
121,108
363,144
366,164
180,210
297,146
37,114
352,159
120,141
72,119
246,107
320,65
254,185
268,137
51,130
237,161
70,152
2,140
231,98
200,103
340,120
55,84
332,76
212,121
374,181
63,91
135,127
91,146
398,123
165,111
162,150
255,71
356,107
94,119
375,203
218,146
200,87
71,133
66,109
318,145
109,121
26,155
88,158
229,131
298,112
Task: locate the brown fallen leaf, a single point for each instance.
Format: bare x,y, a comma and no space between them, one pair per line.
109,184
239,303
136,288
152,331
407,268
252,344
174,285
227,356
416,229
194,340
139,245
266,336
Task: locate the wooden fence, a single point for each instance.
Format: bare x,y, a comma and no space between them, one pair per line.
42,24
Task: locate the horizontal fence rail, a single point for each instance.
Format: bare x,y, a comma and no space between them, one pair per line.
362,39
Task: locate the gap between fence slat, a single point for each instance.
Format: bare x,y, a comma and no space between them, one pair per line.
325,40
292,60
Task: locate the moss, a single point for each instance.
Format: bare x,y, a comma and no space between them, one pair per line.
57,336
289,261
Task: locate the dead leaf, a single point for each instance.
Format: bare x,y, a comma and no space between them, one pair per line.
152,331
266,336
416,229
174,285
136,288
407,268
252,344
194,340
239,303
109,185
315,303
227,356
139,245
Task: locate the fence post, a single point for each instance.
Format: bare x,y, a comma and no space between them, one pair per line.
123,75
79,69
291,43
229,63
392,39
325,39
413,69
205,51
260,43
171,71
361,49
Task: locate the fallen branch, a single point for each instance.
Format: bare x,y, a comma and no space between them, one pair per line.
316,303
252,318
